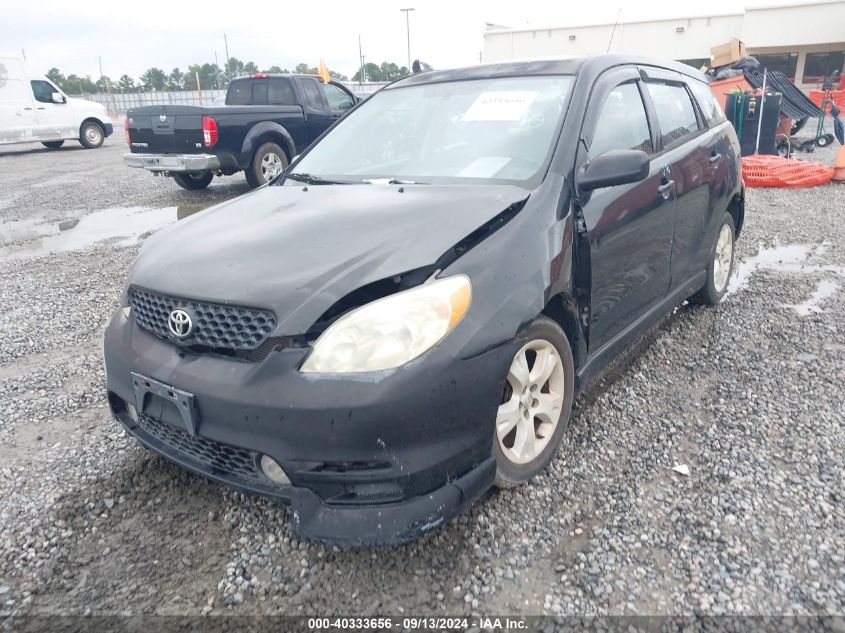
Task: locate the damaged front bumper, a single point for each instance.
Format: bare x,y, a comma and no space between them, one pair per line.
372,458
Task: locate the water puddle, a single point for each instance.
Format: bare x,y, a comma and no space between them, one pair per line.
127,225
792,258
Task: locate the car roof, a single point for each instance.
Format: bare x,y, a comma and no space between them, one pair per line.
594,65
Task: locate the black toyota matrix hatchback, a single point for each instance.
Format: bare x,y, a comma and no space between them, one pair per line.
401,320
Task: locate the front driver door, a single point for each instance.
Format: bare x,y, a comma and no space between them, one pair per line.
629,227
55,120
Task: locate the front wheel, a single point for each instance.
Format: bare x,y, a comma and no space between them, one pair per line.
535,406
719,266
91,135
268,162
193,180
52,144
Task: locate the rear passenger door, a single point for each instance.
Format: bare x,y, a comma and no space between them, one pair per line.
684,145
629,227
315,106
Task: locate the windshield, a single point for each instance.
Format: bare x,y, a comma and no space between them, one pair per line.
498,130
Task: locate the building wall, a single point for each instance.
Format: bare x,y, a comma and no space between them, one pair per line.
800,29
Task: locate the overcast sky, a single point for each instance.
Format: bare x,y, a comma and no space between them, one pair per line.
132,37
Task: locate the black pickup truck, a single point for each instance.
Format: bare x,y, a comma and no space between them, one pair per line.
267,120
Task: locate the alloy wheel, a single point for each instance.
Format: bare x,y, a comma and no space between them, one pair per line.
271,166
531,403
723,258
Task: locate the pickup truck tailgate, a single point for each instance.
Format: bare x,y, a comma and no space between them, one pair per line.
165,128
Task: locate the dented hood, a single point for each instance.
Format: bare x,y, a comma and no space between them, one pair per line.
297,250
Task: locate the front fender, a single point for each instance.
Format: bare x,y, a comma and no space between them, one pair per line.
265,128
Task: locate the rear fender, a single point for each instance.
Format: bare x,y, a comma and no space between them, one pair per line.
273,132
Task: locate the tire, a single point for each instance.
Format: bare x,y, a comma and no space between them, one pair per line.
268,161
91,135
824,140
524,412
52,144
194,181
717,284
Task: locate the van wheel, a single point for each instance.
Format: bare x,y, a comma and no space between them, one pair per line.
268,162
53,144
535,406
720,265
91,135
193,180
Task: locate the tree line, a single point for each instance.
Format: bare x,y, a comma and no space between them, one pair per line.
209,75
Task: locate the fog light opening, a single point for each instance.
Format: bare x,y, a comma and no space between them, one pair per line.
271,468
132,411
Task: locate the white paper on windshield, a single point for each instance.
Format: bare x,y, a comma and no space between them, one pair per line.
484,167
503,105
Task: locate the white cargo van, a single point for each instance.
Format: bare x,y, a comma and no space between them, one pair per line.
34,109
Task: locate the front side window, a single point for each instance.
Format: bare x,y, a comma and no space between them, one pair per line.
42,90
622,122
481,130
338,99
710,108
675,113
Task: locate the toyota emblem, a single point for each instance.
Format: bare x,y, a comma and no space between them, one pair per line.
179,323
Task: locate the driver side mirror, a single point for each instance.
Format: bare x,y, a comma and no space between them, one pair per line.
615,167
58,97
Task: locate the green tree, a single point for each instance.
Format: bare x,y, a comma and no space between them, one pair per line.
275,70
75,84
372,72
154,79
235,67
176,79
305,69
57,78
104,84
250,68
126,84
338,76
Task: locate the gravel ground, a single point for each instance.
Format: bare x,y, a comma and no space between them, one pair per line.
748,396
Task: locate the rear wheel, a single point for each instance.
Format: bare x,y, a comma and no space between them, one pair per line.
193,180
268,162
91,135
720,265
535,406
53,144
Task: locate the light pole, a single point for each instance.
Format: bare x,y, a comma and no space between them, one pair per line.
408,30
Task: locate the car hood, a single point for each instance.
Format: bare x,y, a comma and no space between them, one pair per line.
84,105
297,250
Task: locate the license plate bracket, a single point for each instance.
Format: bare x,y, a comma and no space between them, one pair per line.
184,401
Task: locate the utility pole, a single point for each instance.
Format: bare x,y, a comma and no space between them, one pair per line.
216,72
408,31
23,54
364,67
361,59
226,43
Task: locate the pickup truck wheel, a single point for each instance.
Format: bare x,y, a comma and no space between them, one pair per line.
91,135
719,266
193,180
53,144
268,162
536,402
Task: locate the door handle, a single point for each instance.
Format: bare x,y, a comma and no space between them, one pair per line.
41,108
666,189
27,108
715,157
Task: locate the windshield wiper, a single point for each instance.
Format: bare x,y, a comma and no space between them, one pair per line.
314,180
393,181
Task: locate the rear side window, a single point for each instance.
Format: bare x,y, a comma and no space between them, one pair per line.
42,90
247,92
675,112
312,93
710,108
621,122
280,92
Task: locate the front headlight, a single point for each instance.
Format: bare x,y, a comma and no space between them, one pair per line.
390,332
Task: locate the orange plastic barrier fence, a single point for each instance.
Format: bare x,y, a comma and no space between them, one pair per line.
838,96
765,170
